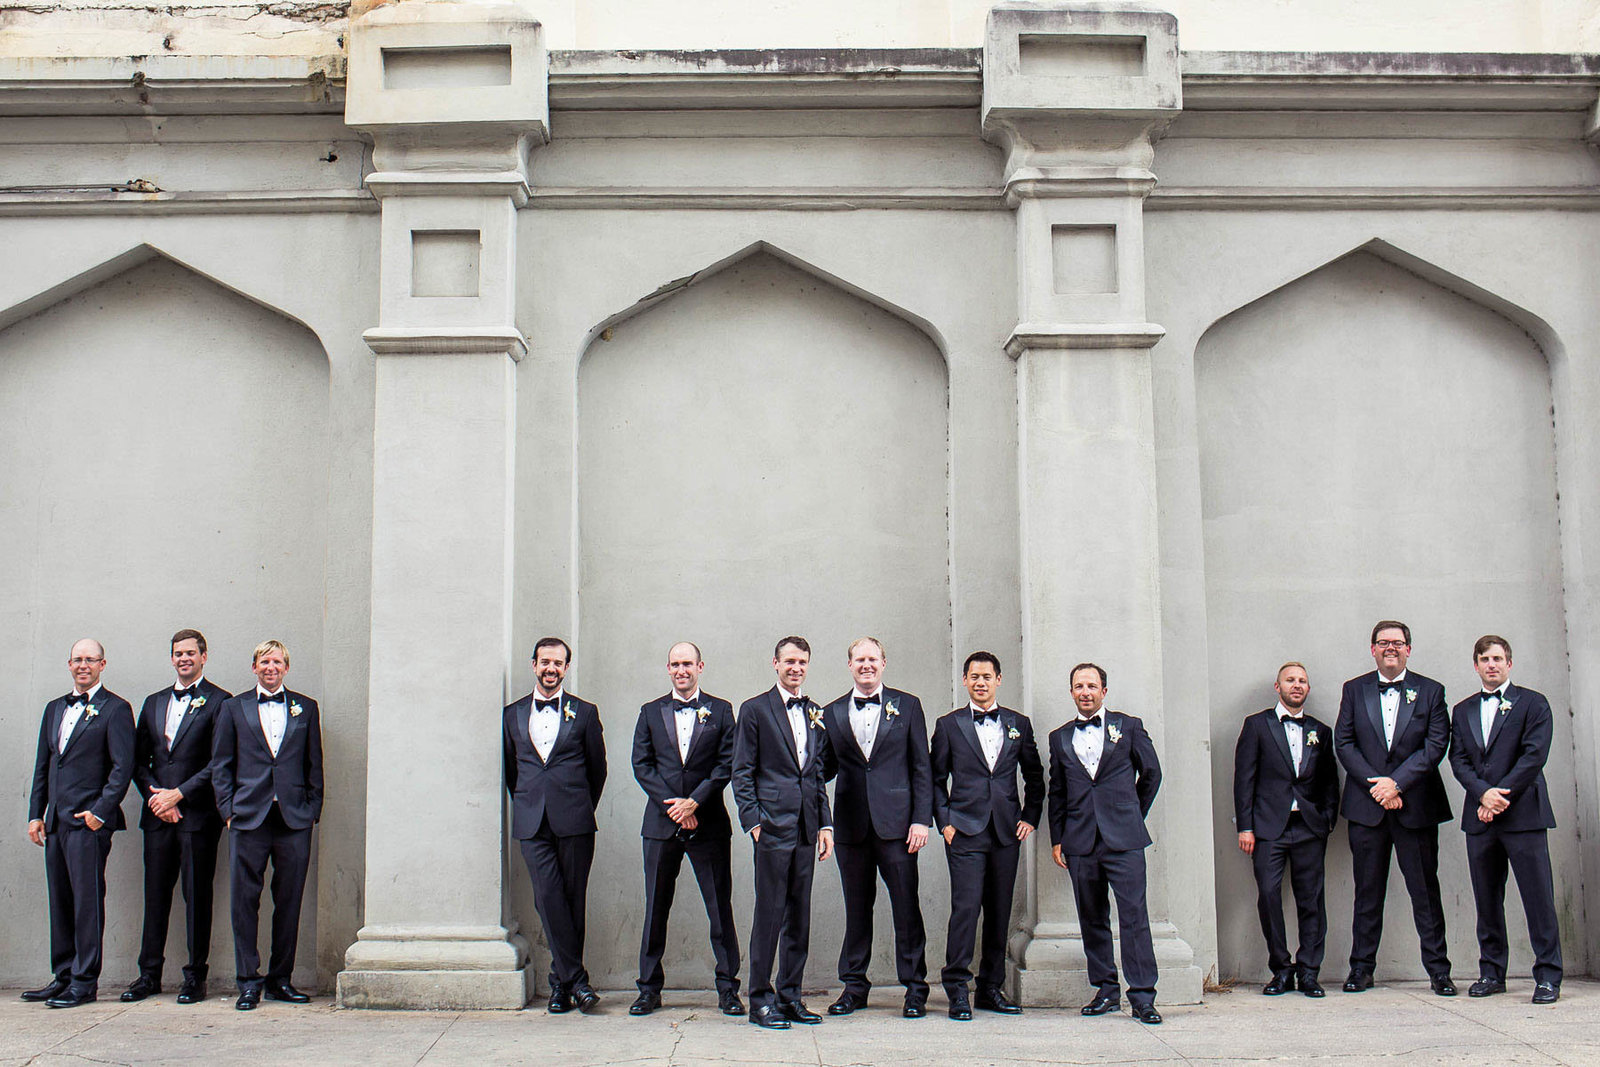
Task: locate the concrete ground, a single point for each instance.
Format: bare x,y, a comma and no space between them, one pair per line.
1398,1023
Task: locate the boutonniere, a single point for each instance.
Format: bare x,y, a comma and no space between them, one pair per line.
702,714
1114,732
567,712
1013,733
295,710
197,701
891,709
1505,705
814,713
1313,738
1411,696
90,711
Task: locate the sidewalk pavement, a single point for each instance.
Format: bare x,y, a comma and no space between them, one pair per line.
1401,1023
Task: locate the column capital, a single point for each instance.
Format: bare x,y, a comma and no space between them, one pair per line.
1076,89
1034,336
437,341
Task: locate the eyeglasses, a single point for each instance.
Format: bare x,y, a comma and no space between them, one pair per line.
82,661
1396,645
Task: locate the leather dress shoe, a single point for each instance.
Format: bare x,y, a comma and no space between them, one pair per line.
69,999
143,986
995,1000
585,999
248,999
915,1008
1101,1004
797,1012
1486,987
1279,985
767,1015
191,992
1147,1014
847,1003
1358,981
43,993
1310,986
728,1003
1442,986
285,992
560,1001
960,1008
645,1004
1546,993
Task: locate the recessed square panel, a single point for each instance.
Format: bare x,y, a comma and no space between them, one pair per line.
446,68
445,262
1084,259
1081,55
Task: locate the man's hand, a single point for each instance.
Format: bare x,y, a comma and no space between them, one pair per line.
1247,842
1024,830
1496,799
1060,860
824,844
170,815
689,822
89,819
164,800
680,808
949,833
36,831
1393,805
1384,790
755,833
1484,814
916,837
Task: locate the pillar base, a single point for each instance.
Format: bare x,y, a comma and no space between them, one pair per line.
1051,970
460,969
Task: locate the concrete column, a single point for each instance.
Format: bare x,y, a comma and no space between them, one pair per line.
1076,95
453,96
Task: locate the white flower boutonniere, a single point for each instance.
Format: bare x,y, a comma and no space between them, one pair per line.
1313,738
1113,732
567,712
814,713
90,711
1411,696
295,710
1013,733
197,701
1505,705
891,709
702,714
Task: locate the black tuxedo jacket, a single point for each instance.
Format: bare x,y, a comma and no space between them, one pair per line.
1512,757
1421,735
969,796
565,790
245,775
186,765
883,796
93,773
772,790
1111,806
1265,783
663,774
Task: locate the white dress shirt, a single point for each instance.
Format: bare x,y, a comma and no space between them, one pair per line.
544,725
176,709
684,716
1489,708
77,707
799,723
1090,743
1390,699
864,721
1295,730
274,718
989,735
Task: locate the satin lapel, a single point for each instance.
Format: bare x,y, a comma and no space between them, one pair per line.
564,725
1500,717
251,710
525,725
780,715
840,713
79,728
701,726
1106,746
668,717
291,722
965,725
1280,733
158,723
1475,724
1375,708
1008,722
1402,718
55,711
183,726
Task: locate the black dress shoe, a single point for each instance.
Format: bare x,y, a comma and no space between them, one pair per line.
1279,985
728,1003
960,1008
143,986
1442,986
1358,981
645,1004
43,993
585,998
1546,993
191,992
995,1000
767,1015
797,1012
1101,1004
69,999
914,1009
848,1002
248,999
1310,986
1486,987
560,1001
285,992
1147,1014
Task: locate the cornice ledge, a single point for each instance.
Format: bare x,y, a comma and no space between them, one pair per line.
446,340
1082,335
386,183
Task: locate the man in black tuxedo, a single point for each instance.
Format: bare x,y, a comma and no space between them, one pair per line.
1103,778
780,750
883,809
683,760
81,771
1392,731
1500,743
555,768
172,768
1285,804
266,771
977,752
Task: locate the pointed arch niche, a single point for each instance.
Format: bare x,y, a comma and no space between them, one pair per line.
762,450
1376,441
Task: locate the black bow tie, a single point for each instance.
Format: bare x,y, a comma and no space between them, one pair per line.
1491,696
1289,718
1083,724
276,698
179,692
1386,687
78,698
979,716
794,702
685,705
545,705
862,702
